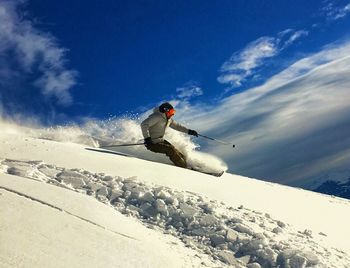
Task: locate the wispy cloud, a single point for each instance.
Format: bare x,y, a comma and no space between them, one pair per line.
28,52
332,11
244,63
189,91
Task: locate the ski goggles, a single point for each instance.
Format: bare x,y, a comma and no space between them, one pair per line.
169,113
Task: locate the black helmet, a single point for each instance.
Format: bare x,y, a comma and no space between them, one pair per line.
164,107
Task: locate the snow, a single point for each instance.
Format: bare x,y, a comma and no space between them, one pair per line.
53,227
134,213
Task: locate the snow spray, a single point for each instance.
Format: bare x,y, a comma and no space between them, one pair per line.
118,130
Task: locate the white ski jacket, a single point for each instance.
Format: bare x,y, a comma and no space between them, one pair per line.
156,124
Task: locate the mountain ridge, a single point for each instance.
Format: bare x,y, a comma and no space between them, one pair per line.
335,188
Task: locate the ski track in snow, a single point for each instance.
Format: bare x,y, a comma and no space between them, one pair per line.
62,210
238,237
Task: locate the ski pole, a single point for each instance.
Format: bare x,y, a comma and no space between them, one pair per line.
120,145
223,142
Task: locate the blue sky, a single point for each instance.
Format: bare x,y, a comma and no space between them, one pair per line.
123,55
222,62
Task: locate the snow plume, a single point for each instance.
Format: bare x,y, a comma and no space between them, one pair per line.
30,59
125,130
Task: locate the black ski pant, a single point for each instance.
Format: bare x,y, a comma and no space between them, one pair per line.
165,147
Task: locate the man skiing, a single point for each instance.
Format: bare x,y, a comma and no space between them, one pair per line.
153,130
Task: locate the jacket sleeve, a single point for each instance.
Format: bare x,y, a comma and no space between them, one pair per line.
147,123
178,127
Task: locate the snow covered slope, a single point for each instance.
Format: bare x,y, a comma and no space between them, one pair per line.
47,226
198,220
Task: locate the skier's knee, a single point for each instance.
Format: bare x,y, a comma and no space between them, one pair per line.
171,152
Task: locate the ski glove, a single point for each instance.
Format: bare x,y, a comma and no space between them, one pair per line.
148,141
192,132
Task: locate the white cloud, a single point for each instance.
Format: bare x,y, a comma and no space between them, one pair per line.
243,64
295,36
56,84
27,50
240,65
189,91
334,12
292,128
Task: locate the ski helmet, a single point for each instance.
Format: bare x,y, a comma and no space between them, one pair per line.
164,107
167,108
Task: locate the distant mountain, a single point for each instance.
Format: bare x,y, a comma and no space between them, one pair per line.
341,189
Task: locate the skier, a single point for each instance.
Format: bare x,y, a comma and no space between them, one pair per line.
153,130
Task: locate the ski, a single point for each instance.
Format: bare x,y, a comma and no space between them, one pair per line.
215,174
